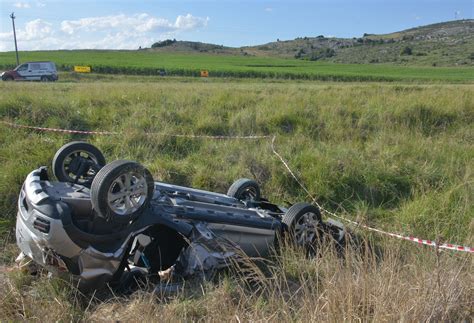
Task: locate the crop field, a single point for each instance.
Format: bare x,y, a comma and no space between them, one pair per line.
182,64
397,156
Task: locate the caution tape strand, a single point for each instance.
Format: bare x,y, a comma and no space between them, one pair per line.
448,246
111,133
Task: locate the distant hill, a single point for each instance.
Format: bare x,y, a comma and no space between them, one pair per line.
442,44
172,45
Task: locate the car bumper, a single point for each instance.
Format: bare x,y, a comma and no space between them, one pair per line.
41,236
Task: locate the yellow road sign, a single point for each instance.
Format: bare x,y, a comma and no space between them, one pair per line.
82,69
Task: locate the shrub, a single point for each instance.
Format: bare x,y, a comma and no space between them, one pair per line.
299,53
406,51
322,53
163,43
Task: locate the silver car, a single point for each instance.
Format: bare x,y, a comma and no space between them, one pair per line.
99,219
32,71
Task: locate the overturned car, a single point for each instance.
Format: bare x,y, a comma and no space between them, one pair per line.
99,220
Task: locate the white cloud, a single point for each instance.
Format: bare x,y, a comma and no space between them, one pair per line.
35,29
107,32
40,4
22,5
190,22
268,9
35,35
139,22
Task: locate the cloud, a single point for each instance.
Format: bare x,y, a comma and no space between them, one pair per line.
139,23
32,36
190,22
35,29
22,5
106,32
268,9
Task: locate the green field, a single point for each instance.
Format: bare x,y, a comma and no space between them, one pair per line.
397,156
400,155
150,63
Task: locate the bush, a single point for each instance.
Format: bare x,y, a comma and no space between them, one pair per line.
406,51
299,53
322,53
163,43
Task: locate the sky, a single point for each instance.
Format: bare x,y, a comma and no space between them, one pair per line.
119,24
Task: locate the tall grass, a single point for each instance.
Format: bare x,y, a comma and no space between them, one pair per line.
401,284
392,155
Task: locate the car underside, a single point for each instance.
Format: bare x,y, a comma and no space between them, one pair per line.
99,219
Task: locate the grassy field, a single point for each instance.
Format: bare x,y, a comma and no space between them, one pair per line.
182,64
396,156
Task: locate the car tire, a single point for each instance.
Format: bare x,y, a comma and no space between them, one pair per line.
8,78
77,162
121,191
303,225
45,79
245,189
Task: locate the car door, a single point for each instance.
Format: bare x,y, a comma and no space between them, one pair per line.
34,70
23,72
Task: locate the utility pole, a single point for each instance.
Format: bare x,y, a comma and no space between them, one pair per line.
14,37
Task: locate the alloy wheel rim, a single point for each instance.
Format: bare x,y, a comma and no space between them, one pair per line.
127,193
306,229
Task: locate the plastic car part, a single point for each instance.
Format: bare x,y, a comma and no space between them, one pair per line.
245,189
77,162
121,191
303,221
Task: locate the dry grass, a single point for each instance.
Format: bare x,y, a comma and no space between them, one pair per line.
400,283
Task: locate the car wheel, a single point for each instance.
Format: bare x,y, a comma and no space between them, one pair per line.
121,191
303,222
44,79
77,162
244,189
8,78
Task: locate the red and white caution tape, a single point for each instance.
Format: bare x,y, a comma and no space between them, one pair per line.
109,133
82,132
431,243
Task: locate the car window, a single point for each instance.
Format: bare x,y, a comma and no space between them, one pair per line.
22,67
34,66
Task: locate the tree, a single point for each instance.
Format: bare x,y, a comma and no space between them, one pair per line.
322,53
163,43
406,51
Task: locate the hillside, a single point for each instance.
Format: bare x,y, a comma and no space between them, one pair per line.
442,44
